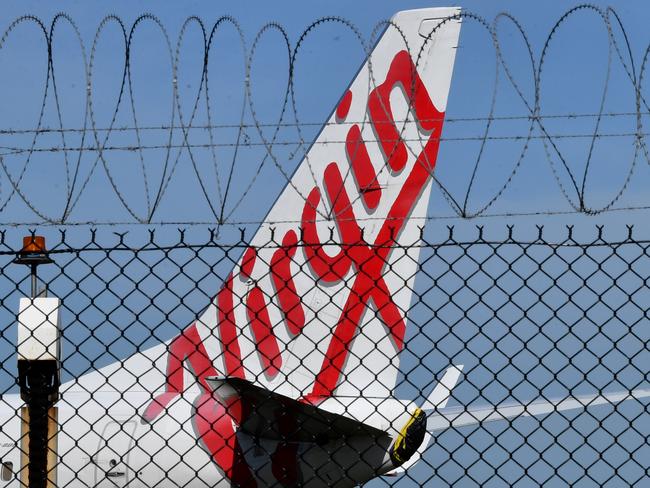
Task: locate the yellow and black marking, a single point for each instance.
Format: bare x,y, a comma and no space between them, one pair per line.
409,438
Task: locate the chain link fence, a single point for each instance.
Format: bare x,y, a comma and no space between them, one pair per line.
549,329
276,356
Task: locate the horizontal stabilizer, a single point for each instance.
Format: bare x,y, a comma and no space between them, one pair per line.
460,417
270,415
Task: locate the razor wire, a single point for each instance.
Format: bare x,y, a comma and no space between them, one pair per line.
186,157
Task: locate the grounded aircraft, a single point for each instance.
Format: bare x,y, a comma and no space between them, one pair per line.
287,377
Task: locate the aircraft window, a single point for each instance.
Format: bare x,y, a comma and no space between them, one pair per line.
7,471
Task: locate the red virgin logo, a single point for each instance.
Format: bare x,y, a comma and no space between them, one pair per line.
368,262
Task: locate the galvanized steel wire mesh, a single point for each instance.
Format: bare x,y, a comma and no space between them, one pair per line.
529,316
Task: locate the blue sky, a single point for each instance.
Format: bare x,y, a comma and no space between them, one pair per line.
574,75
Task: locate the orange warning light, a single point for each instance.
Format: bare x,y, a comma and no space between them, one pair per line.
33,245
33,252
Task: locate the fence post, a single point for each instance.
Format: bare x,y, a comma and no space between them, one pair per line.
38,373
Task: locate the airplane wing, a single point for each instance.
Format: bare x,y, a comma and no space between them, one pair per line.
462,417
440,395
270,415
457,417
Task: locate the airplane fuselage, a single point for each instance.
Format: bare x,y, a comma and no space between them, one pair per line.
103,442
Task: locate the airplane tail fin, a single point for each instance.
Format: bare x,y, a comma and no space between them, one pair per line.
316,306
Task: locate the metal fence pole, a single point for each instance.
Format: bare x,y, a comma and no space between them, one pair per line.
38,372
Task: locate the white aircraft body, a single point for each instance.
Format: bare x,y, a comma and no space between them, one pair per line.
287,377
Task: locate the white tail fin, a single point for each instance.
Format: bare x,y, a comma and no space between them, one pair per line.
313,317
